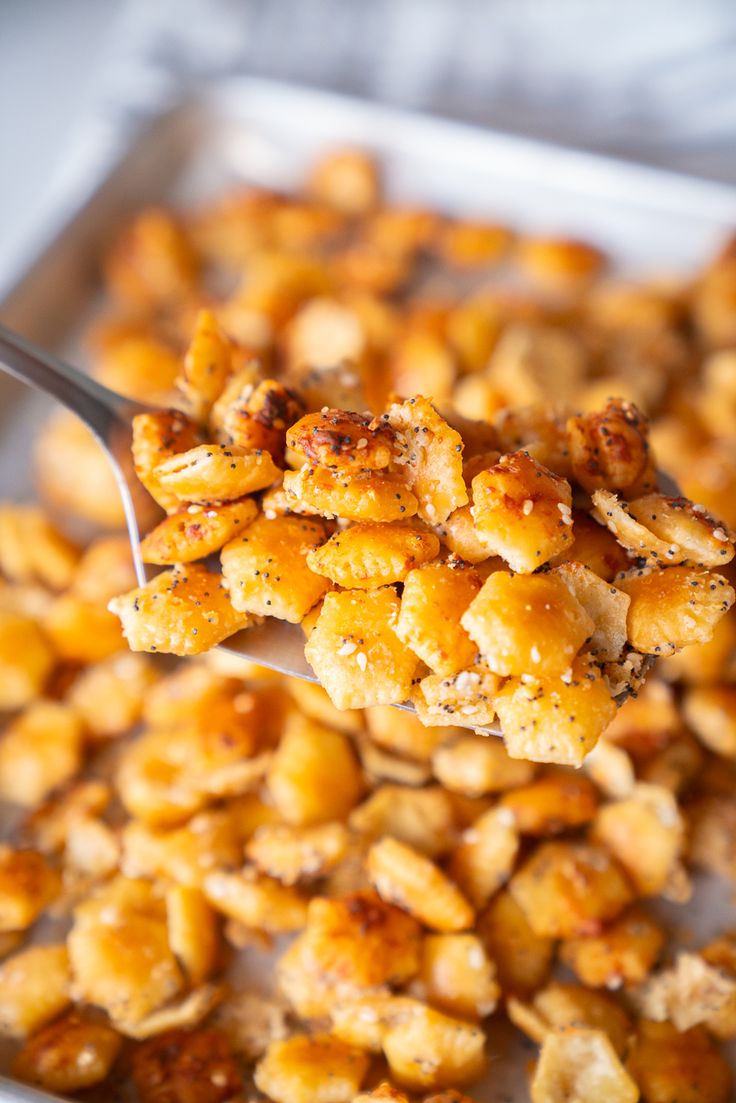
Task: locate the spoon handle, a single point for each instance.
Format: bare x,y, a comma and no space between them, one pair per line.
107,414
102,410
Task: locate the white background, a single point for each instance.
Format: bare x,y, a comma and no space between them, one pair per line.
49,55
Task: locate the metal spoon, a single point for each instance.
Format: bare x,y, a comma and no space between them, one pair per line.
274,644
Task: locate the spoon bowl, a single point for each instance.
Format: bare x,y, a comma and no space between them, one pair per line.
275,644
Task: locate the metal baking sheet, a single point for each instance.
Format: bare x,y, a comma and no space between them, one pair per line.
651,222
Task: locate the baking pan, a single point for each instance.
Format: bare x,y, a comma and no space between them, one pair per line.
650,221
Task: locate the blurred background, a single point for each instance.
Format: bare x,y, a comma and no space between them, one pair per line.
654,82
